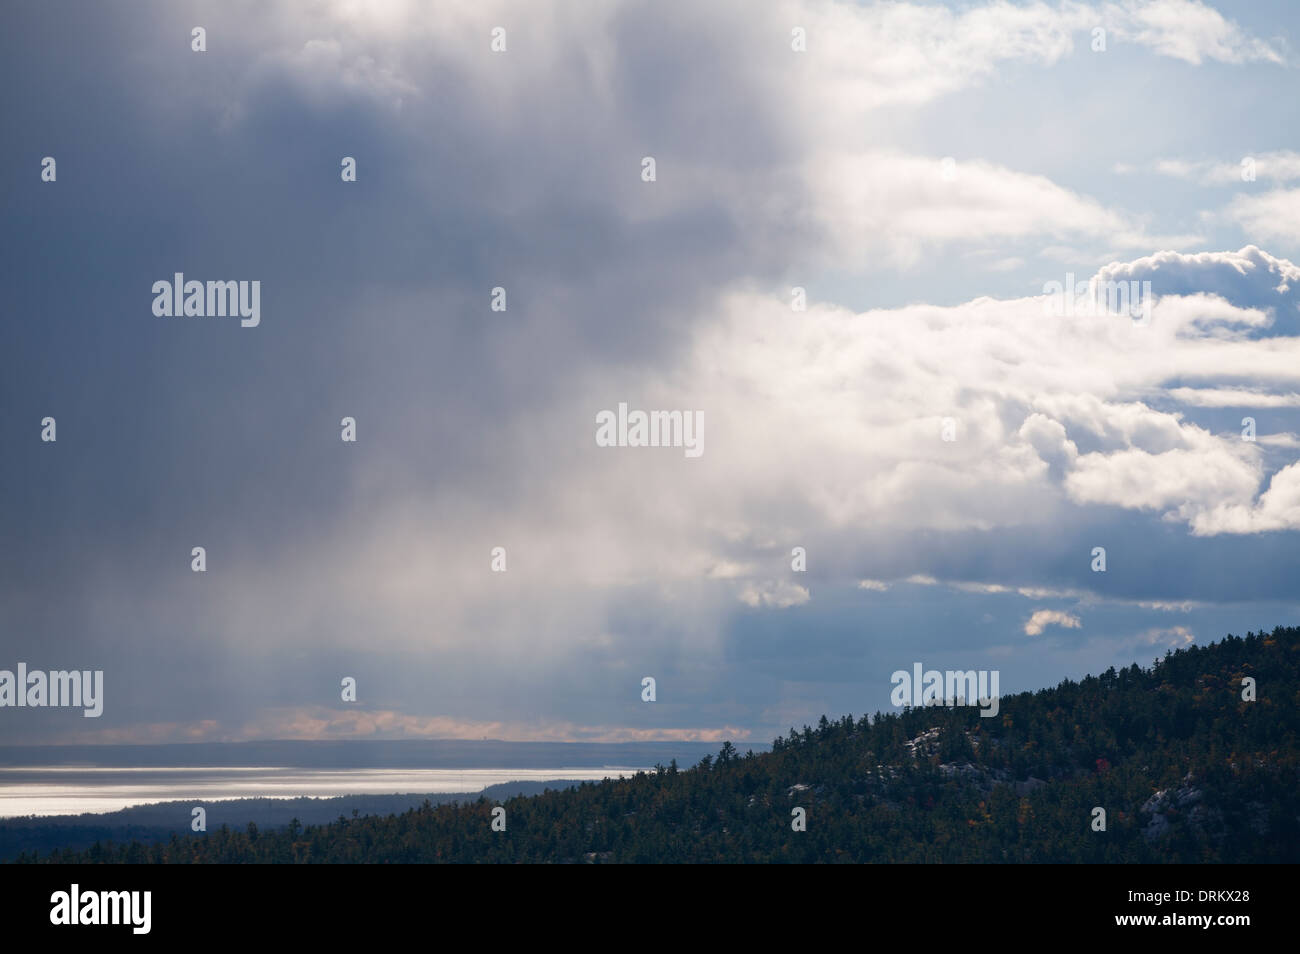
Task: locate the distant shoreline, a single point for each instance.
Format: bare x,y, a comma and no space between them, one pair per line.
53,791
158,821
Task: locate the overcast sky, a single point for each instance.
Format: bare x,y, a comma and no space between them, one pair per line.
923,171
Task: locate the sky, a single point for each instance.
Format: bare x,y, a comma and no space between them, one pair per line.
946,439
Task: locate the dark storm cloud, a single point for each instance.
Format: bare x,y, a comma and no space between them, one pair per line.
474,170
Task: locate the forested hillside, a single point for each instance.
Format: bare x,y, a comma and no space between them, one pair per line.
1184,768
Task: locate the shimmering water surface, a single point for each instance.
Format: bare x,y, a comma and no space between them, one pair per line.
71,790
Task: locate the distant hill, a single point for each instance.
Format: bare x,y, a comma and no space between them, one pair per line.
1184,769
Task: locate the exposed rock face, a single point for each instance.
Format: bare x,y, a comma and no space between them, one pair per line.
1187,801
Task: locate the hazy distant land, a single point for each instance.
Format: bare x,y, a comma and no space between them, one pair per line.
159,821
80,765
